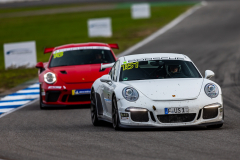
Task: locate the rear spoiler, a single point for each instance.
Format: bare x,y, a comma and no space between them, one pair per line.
48,50
114,46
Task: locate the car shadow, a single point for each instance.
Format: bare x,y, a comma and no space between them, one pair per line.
68,107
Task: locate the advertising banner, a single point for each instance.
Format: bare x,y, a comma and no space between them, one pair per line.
22,54
142,10
101,27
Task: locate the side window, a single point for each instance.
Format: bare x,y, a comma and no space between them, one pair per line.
115,74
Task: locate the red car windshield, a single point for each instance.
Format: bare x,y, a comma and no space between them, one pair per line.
81,57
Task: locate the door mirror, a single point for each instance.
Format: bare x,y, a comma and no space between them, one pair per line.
106,78
209,74
39,65
104,66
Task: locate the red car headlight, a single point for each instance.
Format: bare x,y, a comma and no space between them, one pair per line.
50,78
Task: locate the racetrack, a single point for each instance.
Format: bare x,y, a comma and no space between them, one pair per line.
211,38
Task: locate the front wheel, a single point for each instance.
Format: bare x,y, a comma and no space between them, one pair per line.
40,99
94,117
115,115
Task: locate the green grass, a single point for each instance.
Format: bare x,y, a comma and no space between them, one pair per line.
59,29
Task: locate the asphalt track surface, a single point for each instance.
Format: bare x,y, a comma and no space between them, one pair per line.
211,38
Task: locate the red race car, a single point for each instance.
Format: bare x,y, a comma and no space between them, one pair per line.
68,76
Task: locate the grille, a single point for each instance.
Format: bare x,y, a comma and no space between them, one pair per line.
52,96
79,98
139,116
175,118
209,113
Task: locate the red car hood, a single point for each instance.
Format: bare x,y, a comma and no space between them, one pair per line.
79,73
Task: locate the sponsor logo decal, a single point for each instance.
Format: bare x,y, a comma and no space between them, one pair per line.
58,55
80,48
54,87
129,66
19,51
81,91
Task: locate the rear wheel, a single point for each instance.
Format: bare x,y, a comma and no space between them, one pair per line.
115,116
94,117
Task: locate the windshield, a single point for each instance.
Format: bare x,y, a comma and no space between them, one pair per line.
80,57
158,69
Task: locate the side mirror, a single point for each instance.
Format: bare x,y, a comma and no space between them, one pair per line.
39,65
106,78
209,74
104,66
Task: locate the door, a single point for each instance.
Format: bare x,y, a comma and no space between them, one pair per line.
109,88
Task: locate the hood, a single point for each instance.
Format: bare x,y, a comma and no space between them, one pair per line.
169,89
79,73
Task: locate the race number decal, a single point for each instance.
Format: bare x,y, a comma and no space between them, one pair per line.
58,55
129,66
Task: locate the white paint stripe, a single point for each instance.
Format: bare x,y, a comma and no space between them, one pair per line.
6,110
20,97
34,86
13,110
162,30
29,91
14,103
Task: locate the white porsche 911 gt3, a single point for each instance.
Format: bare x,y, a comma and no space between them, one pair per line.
156,90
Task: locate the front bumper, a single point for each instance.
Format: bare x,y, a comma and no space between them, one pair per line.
62,96
149,126
156,117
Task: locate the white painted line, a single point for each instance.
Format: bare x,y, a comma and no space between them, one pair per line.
34,86
13,110
20,97
6,110
14,103
162,30
29,91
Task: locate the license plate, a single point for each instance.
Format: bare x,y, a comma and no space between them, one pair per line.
81,91
176,110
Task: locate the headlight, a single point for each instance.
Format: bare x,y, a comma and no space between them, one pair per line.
130,94
211,90
50,78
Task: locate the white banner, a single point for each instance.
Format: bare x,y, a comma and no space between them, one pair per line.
101,27
141,11
21,54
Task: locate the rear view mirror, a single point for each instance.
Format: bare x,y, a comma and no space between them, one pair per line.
106,78
104,66
39,65
209,74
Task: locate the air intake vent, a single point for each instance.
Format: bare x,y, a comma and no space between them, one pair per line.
63,72
176,118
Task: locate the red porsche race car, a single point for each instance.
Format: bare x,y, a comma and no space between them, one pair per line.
68,76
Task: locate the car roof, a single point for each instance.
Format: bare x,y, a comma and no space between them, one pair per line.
163,56
95,44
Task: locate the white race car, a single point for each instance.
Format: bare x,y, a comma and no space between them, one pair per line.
156,90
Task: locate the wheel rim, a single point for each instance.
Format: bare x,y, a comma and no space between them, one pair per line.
93,107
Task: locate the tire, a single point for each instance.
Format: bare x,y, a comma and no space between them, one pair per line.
94,118
40,99
215,126
115,115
